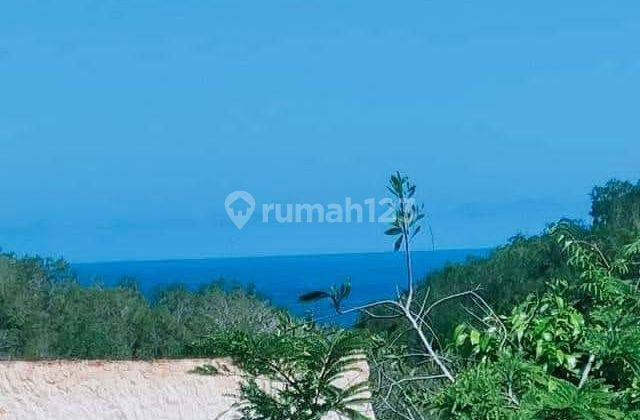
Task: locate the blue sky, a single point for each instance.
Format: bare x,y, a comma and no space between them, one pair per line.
124,124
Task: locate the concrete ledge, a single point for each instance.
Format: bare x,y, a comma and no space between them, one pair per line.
160,389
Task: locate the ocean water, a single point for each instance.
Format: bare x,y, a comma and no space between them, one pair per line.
282,279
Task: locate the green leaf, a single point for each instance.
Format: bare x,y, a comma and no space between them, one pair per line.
539,348
461,338
398,243
392,231
313,296
474,337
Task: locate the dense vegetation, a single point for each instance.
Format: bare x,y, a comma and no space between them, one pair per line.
546,327
45,313
571,351
525,264
562,338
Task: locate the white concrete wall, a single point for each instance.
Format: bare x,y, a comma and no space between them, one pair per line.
158,390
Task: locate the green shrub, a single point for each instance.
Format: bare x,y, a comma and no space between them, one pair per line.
304,361
581,336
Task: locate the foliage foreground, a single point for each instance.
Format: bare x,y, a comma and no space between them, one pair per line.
304,361
571,353
568,349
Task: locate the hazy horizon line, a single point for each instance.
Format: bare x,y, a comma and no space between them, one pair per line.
234,257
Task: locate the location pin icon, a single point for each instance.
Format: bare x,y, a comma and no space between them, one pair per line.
240,206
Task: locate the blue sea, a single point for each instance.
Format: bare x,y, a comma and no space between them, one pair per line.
281,279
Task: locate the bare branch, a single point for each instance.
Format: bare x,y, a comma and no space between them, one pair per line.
587,369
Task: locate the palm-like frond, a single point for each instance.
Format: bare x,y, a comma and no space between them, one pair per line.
314,296
308,363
